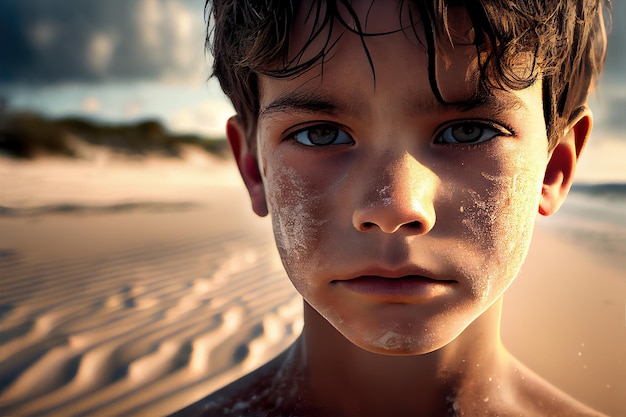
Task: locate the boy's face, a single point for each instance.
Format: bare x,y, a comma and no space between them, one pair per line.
399,219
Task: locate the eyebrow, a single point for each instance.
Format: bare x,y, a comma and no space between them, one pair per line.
316,103
303,101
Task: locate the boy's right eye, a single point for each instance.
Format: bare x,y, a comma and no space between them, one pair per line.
322,135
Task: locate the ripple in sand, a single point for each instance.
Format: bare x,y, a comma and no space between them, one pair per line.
117,335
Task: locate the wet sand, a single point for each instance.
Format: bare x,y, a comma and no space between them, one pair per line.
135,288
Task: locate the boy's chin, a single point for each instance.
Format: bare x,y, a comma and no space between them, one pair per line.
406,338
402,329
393,343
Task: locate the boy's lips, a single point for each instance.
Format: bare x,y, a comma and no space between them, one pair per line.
396,287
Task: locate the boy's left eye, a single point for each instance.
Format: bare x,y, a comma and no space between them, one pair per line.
468,132
322,135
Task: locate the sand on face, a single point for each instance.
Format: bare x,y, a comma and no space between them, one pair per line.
135,288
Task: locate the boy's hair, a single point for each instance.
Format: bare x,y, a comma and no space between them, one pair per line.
566,40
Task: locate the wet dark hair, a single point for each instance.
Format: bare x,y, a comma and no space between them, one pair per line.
565,38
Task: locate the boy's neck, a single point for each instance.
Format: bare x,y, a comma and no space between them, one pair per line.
343,376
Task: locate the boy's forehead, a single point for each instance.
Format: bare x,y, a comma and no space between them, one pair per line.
356,29
359,34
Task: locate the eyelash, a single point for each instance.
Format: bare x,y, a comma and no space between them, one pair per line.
340,135
440,138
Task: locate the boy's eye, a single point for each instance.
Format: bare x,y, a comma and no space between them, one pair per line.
468,132
322,135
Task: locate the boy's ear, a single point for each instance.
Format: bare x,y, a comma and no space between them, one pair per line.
562,163
247,163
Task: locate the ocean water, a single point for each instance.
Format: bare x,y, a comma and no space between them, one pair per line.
594,216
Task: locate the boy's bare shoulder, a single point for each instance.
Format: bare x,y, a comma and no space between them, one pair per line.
256,394
235,399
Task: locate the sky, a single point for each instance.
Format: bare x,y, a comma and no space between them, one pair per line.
114,60
127,60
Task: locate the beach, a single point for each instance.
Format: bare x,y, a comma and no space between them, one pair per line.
137,286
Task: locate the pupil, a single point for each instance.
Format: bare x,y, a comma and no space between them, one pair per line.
322,135
468,133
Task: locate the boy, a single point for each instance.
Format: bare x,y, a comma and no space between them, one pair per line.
403,150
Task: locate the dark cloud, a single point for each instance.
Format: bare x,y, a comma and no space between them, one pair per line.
95,40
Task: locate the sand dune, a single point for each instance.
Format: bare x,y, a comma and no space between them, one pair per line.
158,286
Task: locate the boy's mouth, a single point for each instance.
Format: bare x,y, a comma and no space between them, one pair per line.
397,288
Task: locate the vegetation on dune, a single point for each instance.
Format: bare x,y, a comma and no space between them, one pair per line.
28,135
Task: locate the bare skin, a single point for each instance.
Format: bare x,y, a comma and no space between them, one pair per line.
317,380
402,222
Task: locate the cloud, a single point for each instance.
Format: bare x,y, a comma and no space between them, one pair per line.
42,34
90,104
100,52
208,117
76,40
133,108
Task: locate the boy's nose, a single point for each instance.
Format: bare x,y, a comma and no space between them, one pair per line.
401,199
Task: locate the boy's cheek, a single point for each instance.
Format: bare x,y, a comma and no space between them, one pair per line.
498,221
297,194
311,220
299,214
